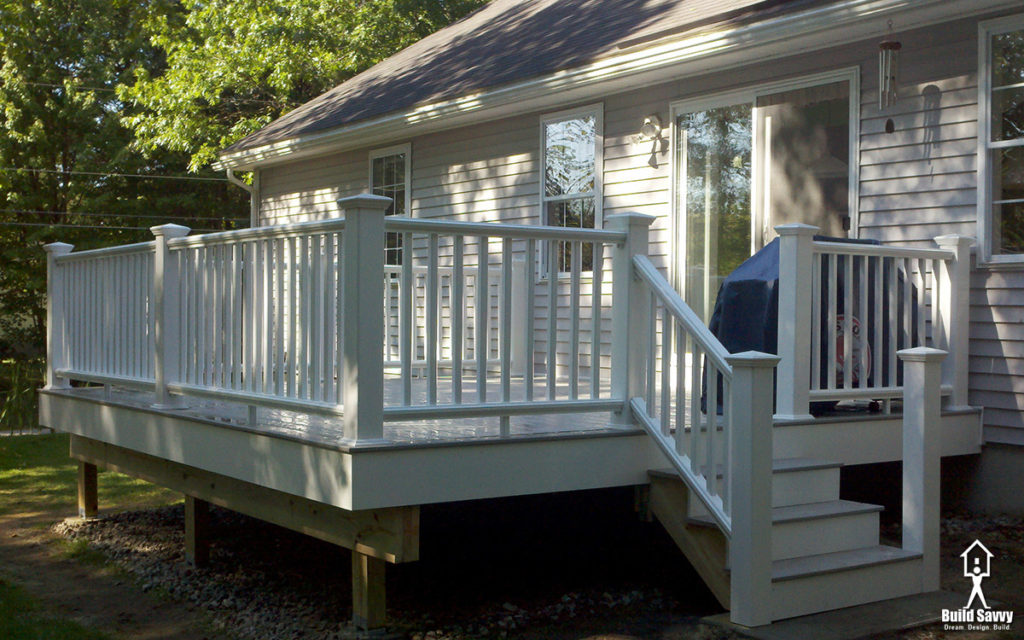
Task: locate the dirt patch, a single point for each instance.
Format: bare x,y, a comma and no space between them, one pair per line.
92,594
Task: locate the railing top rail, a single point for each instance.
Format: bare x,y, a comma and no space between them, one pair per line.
256,233
885,251
502,230
106,252
684,314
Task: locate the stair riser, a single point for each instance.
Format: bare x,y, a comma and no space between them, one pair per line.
824,535
791,488
802,487
814,594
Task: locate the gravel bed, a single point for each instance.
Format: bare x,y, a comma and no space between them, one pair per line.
266,582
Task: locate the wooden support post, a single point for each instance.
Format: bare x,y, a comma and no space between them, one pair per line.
367,591
166,307
88,501
197,531
629,314
363,278
796,257
955,314
750,473
55,315
922,448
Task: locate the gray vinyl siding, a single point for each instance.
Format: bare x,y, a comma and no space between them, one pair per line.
920,181
914,184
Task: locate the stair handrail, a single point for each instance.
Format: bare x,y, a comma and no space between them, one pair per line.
700,483
741,506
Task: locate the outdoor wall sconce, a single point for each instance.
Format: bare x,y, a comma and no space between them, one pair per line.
651,130
888,75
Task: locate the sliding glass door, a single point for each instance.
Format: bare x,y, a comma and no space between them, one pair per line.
751,161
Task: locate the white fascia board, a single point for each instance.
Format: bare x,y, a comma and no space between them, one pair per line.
817,28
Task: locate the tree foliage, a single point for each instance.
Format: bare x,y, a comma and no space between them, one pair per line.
62,138
235,65
93,88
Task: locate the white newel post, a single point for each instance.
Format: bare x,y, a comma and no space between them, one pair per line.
922,448
955,314
750,477
517,330
166,317
56,321
630,316
796,257
363,309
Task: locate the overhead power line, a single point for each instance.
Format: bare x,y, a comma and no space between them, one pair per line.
83,226
121,215
120,175
61,86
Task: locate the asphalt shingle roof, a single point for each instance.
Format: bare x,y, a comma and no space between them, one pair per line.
504,42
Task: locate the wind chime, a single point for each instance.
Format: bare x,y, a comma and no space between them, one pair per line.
888,72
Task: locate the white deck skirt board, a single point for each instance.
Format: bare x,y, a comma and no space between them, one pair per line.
868,438
302,463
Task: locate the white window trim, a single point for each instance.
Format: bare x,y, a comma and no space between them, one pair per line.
596,110
987,29
750,94
390,151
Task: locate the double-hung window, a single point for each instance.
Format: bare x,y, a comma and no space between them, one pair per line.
390,175
571,176
1001,139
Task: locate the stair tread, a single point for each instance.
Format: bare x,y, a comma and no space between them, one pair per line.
780,465
828,509
808,511
793,568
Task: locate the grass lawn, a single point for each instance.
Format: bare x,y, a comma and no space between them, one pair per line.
21,619
38,478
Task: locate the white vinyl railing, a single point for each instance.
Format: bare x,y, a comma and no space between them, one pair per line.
106,327
845,310
286,316
466,332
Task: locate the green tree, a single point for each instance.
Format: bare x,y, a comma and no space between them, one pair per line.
62,138
235,65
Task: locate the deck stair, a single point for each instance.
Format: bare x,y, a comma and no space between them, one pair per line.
825,550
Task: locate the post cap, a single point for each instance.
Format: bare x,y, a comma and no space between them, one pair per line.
170,230
628,218
753,359
954,241
796,229
921,354
364,201
58,248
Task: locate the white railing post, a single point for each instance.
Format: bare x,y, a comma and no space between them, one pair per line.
750,478
922,446
954,314
56,324
796,257
517,331
166,319
363,344
629,312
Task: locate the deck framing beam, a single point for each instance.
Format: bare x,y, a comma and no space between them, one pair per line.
389,534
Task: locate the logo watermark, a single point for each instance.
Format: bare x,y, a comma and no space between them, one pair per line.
977,615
